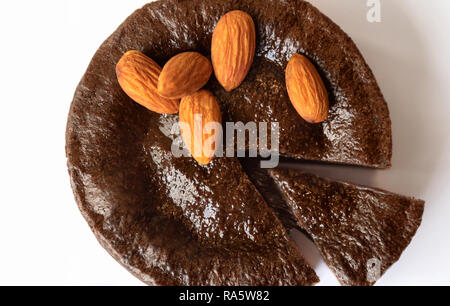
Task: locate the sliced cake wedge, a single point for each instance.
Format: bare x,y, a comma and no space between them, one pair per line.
360,231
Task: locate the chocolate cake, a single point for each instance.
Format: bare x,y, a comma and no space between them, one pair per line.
174,222
358,230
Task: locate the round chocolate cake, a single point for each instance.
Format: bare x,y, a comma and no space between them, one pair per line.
171,221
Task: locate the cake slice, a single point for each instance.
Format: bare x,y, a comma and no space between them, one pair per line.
359,231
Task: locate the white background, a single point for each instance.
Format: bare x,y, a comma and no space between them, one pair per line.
45,47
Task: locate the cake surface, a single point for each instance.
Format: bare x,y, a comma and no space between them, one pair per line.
358,230
170,221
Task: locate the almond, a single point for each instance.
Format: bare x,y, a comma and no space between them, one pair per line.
138,76
184,74
198,111
233,48
306,90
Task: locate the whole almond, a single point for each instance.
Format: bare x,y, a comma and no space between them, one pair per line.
306,90
233,48
196,112
138,76
184,74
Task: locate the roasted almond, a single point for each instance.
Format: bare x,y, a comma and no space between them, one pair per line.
233,48
183,75
199,113
306,90
138,76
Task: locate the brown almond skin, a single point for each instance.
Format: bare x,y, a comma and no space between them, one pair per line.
306,90
233,48
138,76
184,74
204,103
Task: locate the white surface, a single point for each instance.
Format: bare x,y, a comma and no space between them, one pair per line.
44,239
